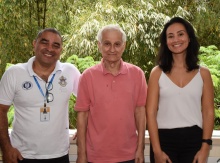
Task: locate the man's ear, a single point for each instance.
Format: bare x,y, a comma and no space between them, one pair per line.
34,43
99,44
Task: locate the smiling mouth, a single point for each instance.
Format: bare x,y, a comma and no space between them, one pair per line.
48,55
177,45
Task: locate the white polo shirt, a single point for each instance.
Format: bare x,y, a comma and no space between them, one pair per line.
34,138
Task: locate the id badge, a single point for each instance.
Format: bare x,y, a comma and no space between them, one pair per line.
44,114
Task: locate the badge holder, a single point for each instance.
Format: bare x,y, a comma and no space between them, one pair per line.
44,114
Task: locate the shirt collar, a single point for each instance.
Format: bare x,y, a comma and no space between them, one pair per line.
31,71
122,70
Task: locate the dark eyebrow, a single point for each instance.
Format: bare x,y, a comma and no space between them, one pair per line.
56,43
169,33
177,32
181,31
43,39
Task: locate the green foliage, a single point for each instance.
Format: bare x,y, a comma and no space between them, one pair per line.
8,65
210,58
217,119
81,64
20,21
203,14
79,22
10,115
207,23
142,23
72,113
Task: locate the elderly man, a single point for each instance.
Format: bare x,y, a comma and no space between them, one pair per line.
111,105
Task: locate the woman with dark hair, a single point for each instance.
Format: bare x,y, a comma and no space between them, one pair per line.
180,102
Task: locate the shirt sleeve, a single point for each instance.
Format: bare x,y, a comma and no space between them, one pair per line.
83,99
7,87
142,90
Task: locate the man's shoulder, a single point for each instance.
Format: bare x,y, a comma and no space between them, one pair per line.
93,68
15,72
68,66
131,66
17,67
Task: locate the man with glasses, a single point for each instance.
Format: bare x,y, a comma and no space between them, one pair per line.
39,90
111,105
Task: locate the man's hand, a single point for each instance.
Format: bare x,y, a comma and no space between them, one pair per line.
81,159
139,156
12,156
75,135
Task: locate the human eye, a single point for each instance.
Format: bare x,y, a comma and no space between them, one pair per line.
56,46
107,44
170,36
118,44
44,41
181,34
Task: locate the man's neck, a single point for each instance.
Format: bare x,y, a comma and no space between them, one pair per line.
112,67
42,71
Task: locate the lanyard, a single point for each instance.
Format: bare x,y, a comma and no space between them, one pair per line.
40,89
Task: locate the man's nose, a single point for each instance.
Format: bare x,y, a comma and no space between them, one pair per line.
49,47
112,48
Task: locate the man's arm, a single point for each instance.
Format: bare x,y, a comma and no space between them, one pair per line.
4,137
141,125
10,154
82,121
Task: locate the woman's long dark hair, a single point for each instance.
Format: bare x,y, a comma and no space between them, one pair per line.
165,58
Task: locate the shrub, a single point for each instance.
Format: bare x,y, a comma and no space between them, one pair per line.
210,57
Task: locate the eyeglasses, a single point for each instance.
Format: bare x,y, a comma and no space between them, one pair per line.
49,96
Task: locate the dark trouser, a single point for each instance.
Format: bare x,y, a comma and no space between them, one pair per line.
180,144
64,159
130,161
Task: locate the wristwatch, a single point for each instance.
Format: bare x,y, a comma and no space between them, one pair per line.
208,141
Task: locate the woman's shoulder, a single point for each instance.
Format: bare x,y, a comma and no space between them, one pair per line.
204,70
205,73
156,72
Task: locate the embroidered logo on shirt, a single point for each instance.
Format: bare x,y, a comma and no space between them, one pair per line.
27,85
62,82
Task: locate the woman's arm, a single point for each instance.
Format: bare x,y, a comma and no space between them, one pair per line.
207,114
151,113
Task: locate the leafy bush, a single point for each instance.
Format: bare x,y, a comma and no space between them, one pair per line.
210,57
10,115
217,119
81,64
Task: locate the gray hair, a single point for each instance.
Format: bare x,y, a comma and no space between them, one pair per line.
111,27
